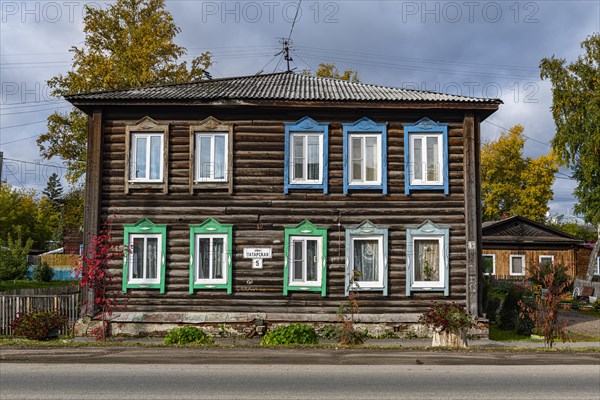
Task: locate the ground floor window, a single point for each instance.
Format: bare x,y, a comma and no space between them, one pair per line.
305,253
144,261
427,255
210,256
546,260
488,264
517,265
366,258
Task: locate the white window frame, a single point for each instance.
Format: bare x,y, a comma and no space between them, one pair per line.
369,284
159,255
597,266
551,257
378,157
197,238
148,136
291,170
304,282
493,273
510,264
424,161
441,282
198,168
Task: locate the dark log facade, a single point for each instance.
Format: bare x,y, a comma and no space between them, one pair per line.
258,209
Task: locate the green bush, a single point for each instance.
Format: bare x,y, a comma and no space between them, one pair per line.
509,312
42,272
188,334
37,325
492,305
291,334
350,336
330,331
597,304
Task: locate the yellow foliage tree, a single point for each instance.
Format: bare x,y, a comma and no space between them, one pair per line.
512,184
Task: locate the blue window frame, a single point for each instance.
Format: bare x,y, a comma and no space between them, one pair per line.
365,156
367,258
306,155
426,156
428,259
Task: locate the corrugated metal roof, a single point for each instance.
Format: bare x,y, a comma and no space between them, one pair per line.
279,86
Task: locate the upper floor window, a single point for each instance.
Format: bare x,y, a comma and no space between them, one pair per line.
210,256
144,261
426,156
366,258
306,160
211,157
305,252
428,258
146,155
597,266
365,156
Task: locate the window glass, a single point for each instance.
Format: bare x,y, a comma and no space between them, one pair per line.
217,258
371,158
427,260
488,264
220,167
205,167
433,173
151,260
314,157
204,258
138,259
140,157
357,160
366,260
298,157
312,248
155,157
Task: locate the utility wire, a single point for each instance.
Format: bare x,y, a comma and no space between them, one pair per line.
36,163
19,125
20,140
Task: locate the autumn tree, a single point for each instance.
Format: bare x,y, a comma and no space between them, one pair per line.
512,184
129,43
576,113
331,71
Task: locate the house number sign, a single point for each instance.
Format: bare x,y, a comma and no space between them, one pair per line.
258,255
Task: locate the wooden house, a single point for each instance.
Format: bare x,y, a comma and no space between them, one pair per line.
514,244
271,197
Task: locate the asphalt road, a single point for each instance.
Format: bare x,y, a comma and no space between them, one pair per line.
287,382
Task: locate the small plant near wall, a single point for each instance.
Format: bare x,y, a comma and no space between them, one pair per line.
291,334
187,335
95,277
347,311
449,322
544,312
38,325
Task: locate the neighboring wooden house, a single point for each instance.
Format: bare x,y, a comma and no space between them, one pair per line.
513,245
271,197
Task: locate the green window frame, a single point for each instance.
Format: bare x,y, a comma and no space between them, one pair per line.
301,233
144,228
212,229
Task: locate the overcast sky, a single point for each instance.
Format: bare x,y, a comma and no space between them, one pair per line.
475,48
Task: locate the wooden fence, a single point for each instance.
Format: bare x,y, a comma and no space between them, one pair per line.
67,304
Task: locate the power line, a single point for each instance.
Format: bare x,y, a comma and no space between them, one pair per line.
35,163
28,123
33,111
20,140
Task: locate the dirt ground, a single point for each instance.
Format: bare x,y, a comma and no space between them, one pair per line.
581,323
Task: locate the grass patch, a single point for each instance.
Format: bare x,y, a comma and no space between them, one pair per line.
500,335
12,285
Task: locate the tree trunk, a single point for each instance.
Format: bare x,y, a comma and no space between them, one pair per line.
593,258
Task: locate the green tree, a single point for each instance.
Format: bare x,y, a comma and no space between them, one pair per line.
512,184
576,113
127,44
24,213
331,71
13,257
584,232
54,189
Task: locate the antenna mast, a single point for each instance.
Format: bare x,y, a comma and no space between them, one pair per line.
286,51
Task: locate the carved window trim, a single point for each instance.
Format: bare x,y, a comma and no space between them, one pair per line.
425,127
365,127
211,125
147,125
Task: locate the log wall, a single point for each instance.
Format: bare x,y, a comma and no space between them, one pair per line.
259,211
